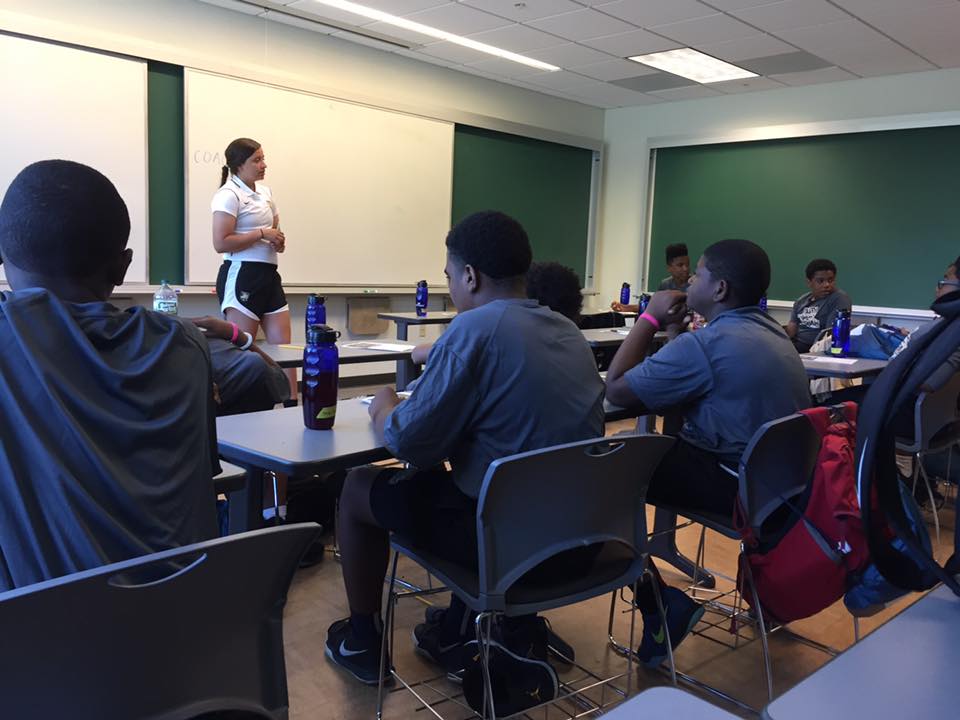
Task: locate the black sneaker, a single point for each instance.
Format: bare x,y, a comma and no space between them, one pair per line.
427,642
361,661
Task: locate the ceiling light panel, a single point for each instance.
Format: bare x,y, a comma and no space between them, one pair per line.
693,65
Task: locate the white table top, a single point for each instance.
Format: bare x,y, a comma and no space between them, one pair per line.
826,366
905,669
291,356
666,703
614,337
277,440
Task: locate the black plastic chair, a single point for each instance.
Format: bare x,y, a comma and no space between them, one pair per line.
168,636
534,506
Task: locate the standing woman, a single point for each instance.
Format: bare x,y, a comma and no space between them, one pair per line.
246,229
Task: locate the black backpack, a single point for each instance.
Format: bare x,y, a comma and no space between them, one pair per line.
877,473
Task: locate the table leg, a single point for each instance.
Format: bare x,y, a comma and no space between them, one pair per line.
246,504
407,370
664,546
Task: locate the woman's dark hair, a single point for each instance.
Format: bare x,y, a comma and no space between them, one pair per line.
557,287
236,155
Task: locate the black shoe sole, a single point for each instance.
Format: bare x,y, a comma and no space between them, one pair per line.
387,679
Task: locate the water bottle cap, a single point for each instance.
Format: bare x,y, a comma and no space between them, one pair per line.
311,298
318,334
421,283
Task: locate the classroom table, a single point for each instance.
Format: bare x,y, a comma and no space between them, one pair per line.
614,337
230,478
666,703
403,321
904,669
277,441
353,351
843,368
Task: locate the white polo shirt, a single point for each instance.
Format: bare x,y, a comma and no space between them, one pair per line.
253,209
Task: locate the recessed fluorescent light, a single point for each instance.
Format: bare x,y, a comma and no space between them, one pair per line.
380,16
694,65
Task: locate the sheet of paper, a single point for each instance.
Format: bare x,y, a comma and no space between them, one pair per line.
836,361
622,331
367,399
384,347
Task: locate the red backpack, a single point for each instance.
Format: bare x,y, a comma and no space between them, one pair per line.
805,568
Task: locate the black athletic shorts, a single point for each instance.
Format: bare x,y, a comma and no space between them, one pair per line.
253,288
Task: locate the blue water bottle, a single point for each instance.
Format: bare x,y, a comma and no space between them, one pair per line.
841,334
316,312
625,294
422,297
763,304
321,376
642,303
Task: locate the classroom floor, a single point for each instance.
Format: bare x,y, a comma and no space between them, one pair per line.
320,691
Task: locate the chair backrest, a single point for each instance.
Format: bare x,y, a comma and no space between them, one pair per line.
933,411
777,464
535,505
167,636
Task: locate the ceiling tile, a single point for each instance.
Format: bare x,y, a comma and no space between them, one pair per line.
759,45
569,55
691,92
530,10
581,25
402,34
797,61
402,7
791,14
312,25
933,32
854,46
727,5
706,30
746,85
452,52
417,55
655,12
341,16
868,8
607,95
649,82
557,80
503,67
518,38
458,19
636,42
887,58
363,40
815,77
613,70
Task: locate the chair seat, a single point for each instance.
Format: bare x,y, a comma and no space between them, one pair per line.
942,439
610,569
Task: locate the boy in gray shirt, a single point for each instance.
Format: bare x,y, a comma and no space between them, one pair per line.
727,379
814,312
508,376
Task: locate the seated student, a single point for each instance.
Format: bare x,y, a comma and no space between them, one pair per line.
247,379
108,438
490,389
815,311
727,379
678,265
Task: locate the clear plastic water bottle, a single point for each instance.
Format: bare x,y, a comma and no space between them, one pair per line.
321,377
421,299
642,301
625,294
763,304
841,334
165,299
316,312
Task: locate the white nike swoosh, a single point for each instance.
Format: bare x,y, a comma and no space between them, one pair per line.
348,653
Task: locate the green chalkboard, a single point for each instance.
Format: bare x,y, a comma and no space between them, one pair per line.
884,206
165,153
544,185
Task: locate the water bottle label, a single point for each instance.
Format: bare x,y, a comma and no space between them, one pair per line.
165,306
327,413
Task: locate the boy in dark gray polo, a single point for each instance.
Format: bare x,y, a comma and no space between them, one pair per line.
726,379
815,311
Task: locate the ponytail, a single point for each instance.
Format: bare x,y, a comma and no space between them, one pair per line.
224,172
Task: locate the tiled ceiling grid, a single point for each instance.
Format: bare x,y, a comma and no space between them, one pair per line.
787,42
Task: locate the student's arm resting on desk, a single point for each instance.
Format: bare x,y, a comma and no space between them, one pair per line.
420,353
666,307
424,429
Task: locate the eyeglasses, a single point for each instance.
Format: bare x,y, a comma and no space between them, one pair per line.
942,283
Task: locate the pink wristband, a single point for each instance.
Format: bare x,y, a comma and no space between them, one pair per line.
650,319
236,332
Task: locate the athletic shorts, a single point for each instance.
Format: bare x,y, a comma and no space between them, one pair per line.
253,288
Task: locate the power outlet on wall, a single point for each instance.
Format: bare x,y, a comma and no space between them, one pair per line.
423,331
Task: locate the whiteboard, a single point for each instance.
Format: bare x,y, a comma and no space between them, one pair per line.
60,102
363,194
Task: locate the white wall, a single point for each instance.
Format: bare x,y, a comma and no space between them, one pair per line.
856,105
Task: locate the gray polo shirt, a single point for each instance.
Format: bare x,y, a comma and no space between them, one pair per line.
668,283
507,377
727,379
813,316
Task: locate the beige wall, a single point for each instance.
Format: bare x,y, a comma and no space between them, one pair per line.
191,33
857,105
